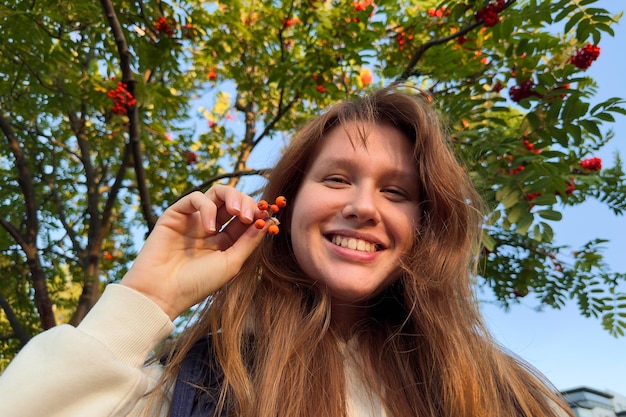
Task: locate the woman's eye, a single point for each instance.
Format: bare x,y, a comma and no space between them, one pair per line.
336,180
396,194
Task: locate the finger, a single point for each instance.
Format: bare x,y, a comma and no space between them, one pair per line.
243,247
249,209
238,225
232,202
195,203
239,205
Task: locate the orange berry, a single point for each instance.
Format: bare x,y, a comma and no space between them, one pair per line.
281,201
274,208
259,223
263,205
273,229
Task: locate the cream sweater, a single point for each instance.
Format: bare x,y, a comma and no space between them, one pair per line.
97,369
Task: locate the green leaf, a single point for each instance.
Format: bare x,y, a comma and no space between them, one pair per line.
573,21
547,232
607,117
545,199
565,12
591,127
511,199
550,214
574,109
524,223
488,241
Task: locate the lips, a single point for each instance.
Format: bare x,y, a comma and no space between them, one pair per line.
354,243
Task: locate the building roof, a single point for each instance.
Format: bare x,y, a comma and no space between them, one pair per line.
587,389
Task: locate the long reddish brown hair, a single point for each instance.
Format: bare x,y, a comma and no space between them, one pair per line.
423,348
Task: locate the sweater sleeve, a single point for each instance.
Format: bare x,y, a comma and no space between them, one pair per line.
96,369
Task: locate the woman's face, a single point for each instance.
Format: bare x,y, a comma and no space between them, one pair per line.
354,215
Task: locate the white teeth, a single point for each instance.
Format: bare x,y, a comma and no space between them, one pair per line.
353,243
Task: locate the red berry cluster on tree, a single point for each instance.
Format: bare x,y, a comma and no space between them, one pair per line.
461,40
438,13
522,91
570,186
583,58
402,38
319,81
498,86
360,6
188,31
531,147
531,196
564,88
489,14
122,99
509,162
191,157
289,22
591,164
165,25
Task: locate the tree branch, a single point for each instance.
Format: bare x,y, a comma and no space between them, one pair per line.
19,332
207,183
133,114
28,242
24,178
281,112
420,50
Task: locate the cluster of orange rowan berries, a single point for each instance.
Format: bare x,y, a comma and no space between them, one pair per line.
531,147
122,99
271,209
165,25
402,37
289,22
438,13
360,6
591,164
489,14
585,56
523,90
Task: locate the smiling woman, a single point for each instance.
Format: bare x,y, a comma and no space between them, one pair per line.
355,212
361,306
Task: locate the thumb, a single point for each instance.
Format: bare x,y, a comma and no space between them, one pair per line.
244,246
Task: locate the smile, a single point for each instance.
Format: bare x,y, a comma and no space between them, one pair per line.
355,244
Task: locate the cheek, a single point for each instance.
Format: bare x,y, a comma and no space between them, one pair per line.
405,228
304,210
296,217
299,218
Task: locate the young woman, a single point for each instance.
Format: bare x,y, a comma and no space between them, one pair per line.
361,305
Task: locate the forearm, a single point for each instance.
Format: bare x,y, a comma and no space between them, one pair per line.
94,369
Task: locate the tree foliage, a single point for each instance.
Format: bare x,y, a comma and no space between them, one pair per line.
110,112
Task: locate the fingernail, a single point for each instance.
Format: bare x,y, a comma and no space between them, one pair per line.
248,214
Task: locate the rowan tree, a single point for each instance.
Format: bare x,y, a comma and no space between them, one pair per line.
110,112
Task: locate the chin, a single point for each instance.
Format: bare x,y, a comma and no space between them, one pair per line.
354,296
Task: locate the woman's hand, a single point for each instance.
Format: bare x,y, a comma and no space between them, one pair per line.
185,258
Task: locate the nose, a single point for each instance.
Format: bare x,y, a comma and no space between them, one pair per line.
362,206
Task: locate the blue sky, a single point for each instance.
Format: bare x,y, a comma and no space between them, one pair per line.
569,349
